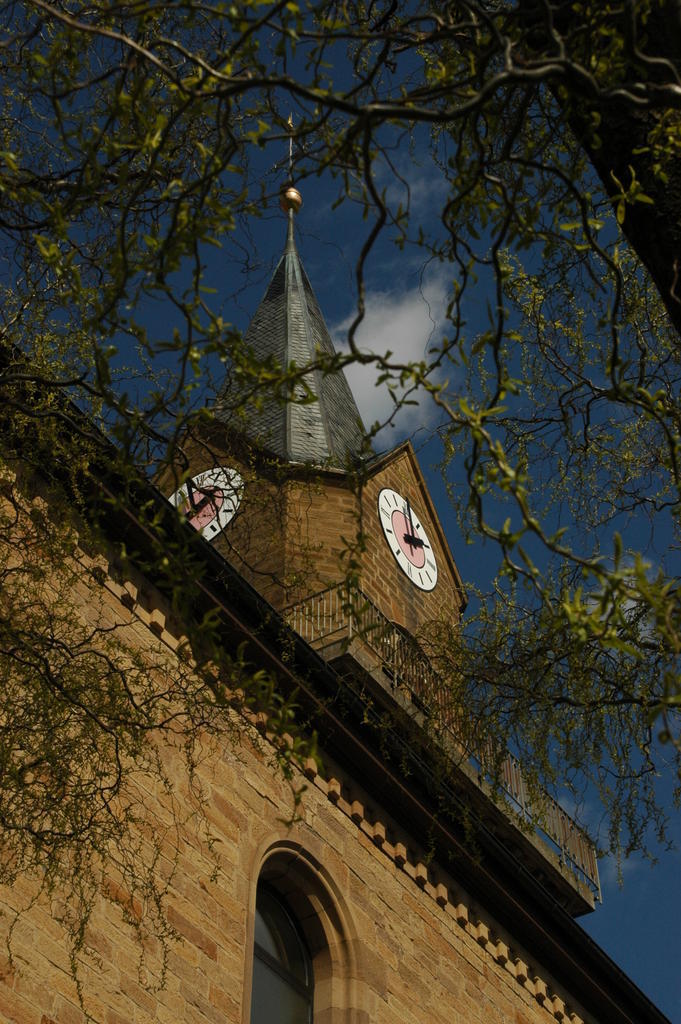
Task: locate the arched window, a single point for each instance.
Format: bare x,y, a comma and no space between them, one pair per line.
282,969
304,964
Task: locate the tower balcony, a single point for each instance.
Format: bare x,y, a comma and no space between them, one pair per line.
351,633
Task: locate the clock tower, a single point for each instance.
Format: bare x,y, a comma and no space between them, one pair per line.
344,541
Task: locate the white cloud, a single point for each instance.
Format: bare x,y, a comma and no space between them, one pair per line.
405,324
413,182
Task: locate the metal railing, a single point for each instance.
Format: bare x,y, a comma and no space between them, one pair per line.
336,615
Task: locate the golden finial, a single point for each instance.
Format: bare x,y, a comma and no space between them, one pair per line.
290,198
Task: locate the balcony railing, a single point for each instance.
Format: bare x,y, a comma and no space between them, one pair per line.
336,616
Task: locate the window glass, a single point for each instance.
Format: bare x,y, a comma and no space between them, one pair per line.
274,1000
282,972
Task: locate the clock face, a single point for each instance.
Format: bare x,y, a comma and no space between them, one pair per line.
209,500
407,539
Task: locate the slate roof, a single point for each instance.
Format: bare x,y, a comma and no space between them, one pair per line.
288,327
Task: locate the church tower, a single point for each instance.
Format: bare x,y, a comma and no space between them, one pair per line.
293,495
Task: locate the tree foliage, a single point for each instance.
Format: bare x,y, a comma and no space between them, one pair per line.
135,136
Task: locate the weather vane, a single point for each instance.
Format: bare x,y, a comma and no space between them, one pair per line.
290,199
290,146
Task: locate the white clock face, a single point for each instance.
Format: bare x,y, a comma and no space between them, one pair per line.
407,538
209,500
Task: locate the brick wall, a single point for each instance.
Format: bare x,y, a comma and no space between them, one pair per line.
417,956
396,941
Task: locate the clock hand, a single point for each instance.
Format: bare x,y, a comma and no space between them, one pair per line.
208,496
412,540
200,497
409,536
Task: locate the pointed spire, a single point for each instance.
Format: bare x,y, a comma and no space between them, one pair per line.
288,327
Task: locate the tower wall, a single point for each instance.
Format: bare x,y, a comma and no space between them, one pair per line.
254,542
381,577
